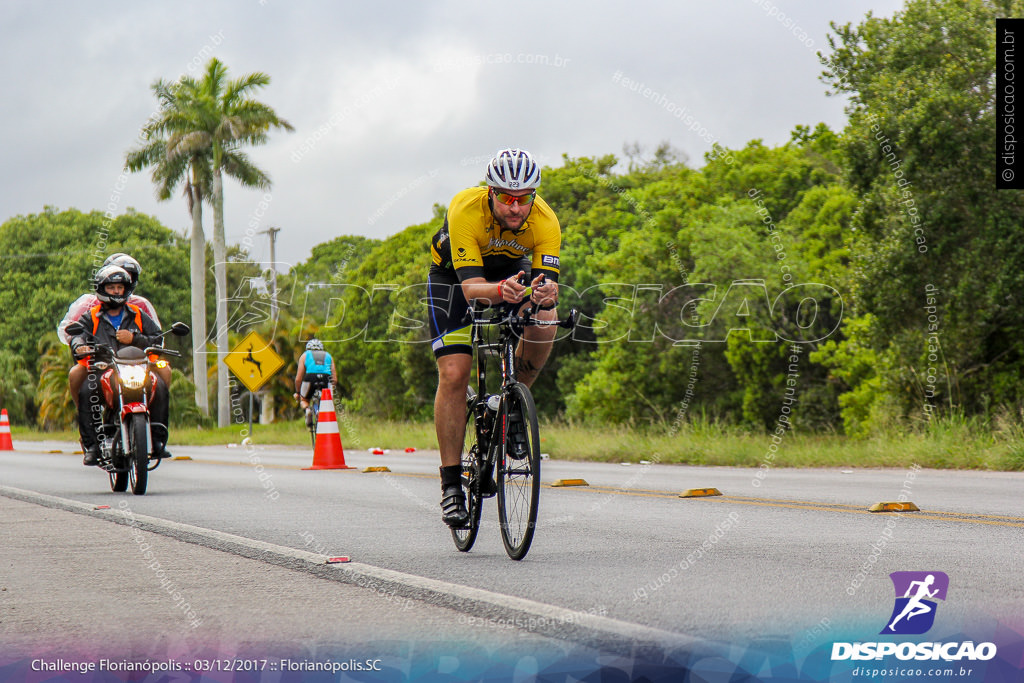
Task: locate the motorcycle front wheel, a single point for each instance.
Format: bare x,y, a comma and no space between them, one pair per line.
118,481
138,454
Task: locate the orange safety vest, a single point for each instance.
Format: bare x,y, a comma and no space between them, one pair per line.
95,312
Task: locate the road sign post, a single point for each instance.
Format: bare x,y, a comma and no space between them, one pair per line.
254,362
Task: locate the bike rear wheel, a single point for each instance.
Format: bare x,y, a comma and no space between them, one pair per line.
465,538
518,470
314,411
138,457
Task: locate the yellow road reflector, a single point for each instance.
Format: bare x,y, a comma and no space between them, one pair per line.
894,507
56,451
182,457
700,493
571,482
376,469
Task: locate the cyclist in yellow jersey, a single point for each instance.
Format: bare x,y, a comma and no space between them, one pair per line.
491,237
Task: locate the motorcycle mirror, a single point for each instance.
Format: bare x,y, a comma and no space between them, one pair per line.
180,329
75,328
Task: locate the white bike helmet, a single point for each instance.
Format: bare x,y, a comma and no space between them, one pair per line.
314,345
513,169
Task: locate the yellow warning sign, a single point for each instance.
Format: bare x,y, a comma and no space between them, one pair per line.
253,361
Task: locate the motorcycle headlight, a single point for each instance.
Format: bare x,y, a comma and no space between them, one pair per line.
133,376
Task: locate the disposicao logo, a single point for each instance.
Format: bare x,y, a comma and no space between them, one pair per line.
916,595
913,614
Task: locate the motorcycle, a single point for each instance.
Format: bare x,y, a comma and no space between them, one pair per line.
128,384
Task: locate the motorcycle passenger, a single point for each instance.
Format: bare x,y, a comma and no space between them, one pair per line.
82,305
117,324
315,370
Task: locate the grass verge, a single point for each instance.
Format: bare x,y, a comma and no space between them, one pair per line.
944,444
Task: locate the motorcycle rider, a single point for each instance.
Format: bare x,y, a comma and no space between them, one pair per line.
117,324
83,303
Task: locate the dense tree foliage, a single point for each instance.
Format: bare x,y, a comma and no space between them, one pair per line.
49,259
937,252
846,280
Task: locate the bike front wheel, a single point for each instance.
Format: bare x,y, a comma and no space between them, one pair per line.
518,470
465,538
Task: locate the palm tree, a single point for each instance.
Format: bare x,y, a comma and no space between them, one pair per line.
213,118
170,171
56,410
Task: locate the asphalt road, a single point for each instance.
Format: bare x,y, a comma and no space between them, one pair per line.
792,556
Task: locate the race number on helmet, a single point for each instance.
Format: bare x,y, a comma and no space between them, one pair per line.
513,169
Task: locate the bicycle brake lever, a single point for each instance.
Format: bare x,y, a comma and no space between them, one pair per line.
570,320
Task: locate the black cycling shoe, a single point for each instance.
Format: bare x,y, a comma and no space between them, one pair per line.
488,488
160,450
91,456
453,507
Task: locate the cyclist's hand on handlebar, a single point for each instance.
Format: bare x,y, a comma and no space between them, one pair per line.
83,351
544,293
511,290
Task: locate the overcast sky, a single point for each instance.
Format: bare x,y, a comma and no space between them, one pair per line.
397,106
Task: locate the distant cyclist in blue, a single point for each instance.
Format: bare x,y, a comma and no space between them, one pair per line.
316,371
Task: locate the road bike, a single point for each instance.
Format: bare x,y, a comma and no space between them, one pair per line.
502,434
314,409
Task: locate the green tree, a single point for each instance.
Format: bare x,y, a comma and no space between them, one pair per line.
55,409
193,171
918,152
17,388
216,117
48,261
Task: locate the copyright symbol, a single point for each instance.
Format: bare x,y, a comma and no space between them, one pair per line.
1008,174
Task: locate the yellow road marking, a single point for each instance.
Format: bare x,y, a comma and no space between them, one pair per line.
992,520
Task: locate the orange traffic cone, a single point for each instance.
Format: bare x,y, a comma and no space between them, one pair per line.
5,432
328,453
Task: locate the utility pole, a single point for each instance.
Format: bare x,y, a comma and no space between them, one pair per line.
266,397
273,271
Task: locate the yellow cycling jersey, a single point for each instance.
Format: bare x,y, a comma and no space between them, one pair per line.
472,243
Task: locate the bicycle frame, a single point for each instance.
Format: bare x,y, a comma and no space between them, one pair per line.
492,433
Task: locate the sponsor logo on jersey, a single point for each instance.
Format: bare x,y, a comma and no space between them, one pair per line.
497,244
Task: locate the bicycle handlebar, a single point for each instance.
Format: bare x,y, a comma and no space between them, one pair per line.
509,317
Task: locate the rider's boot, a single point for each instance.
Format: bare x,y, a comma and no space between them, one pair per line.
91,455
159,432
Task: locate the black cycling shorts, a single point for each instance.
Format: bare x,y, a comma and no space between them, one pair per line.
448,311
314,380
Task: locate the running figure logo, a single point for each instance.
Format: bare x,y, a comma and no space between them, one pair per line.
914,612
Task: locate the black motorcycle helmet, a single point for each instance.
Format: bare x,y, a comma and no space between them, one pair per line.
129,264
112,275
